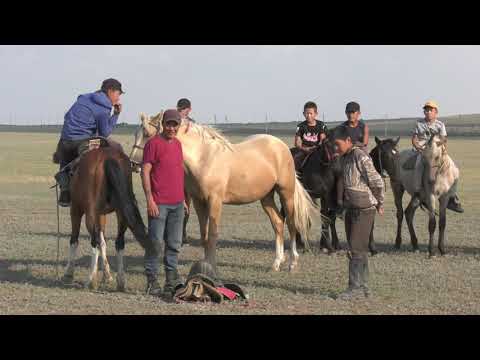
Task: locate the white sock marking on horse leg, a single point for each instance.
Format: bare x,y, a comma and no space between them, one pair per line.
72,256
293,253
280,256
103,253
93,265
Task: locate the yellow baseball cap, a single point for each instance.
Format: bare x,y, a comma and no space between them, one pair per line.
431,104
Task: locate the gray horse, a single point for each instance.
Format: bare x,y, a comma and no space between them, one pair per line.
439,183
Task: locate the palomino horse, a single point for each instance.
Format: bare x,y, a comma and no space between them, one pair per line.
439,182
219,172
102,184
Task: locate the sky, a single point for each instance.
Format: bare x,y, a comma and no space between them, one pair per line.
38,84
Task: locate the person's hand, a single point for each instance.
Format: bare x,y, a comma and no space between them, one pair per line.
380,210
117,108
152,208
185,207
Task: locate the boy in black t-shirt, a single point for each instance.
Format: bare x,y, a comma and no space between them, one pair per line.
309,135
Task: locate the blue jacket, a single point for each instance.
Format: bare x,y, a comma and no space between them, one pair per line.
89,116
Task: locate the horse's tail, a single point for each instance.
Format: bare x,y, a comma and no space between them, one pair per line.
123,199
303,210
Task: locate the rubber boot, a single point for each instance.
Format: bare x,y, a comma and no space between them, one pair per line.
172,281
455,205
364,274
355,289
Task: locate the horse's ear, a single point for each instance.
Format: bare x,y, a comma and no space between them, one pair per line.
396,141
377,140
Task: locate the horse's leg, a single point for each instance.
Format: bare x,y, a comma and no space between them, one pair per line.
288,205
432,224
107,277
214,216
409,214
94,232
76,219
398,191
277,221
119,248
442,223
325,242
188,201
202,214
333,229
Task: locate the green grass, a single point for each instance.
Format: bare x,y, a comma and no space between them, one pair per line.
402,282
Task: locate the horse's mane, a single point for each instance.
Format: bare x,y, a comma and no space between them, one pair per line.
208,133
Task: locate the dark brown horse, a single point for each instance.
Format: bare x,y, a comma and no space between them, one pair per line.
102,184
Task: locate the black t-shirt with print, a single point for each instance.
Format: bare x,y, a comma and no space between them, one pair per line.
310,135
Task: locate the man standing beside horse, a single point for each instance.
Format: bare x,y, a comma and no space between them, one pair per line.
163,183
91,115
363,195
421,134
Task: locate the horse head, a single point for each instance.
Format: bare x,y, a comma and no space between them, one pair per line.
385,155
149,126
434,154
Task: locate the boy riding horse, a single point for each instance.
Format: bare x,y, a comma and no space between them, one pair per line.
423,129
93,114
309,135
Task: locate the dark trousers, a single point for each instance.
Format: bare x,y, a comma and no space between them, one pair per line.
68,150
358,226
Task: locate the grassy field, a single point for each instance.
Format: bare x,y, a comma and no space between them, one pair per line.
402,282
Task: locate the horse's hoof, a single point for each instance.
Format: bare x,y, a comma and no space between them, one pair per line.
107,278
293,268
121,287
92,285
373,252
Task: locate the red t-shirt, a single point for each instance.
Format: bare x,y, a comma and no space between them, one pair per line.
167,175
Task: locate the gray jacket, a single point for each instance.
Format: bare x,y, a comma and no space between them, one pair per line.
363,185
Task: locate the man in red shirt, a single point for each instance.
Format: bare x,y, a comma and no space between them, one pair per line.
163,183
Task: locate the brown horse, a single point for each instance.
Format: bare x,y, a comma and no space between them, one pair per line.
101,185
219,172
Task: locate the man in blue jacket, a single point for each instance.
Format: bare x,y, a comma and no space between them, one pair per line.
93,114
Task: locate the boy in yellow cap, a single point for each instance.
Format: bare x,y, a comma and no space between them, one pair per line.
429,124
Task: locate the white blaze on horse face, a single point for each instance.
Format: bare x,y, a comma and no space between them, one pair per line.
393,152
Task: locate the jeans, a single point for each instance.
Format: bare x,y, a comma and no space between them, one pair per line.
169,223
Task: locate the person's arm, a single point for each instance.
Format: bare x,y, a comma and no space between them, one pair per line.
365,135
375,182
148,159
106,123
298,142
415,139
152,208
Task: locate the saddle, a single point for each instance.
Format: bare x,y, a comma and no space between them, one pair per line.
202,286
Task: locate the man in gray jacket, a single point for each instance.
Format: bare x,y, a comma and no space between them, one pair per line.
363,196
